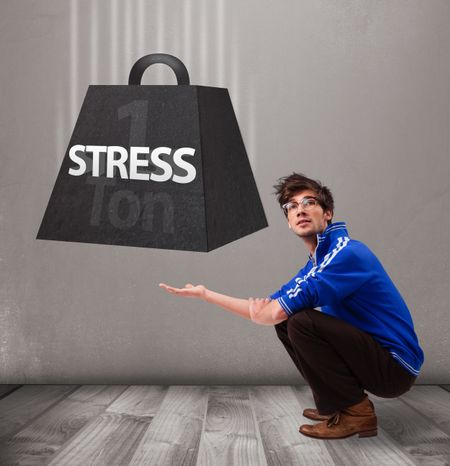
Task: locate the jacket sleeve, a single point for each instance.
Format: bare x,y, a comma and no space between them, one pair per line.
342,271
291,283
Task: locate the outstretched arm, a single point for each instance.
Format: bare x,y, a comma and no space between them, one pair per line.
260,311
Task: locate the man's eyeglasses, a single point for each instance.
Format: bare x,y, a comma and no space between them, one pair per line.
307,203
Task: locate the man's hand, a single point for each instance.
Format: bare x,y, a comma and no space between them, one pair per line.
189,290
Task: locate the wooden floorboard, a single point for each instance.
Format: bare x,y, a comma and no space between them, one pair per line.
140,400
230,434
173,437
433,402
34,444
215,425
24,404
418,435
5,390
277,412
113,437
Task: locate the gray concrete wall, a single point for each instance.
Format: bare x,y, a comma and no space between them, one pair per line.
355,93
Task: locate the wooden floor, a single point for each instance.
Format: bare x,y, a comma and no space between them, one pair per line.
208,426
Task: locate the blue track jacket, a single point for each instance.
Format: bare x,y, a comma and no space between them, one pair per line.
345,279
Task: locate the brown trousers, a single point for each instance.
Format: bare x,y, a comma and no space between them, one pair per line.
340,361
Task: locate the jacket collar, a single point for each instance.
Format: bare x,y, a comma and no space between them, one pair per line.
326,238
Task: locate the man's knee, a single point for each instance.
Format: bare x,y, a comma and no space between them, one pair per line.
300,322
281,330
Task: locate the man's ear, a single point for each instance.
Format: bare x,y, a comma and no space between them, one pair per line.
289,225
328,214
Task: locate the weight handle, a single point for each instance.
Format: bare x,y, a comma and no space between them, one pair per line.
143,63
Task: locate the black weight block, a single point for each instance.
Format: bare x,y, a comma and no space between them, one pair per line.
155,166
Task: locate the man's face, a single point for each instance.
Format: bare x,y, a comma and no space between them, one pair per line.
306,222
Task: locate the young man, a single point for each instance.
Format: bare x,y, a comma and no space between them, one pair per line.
341,318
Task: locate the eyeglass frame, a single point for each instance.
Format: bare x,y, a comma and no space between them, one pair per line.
316,199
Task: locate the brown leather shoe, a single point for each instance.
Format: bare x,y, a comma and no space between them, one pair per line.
357,419
313,414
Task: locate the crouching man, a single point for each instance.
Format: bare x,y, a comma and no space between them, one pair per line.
341,318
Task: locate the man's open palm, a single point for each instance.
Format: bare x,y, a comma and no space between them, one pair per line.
189,290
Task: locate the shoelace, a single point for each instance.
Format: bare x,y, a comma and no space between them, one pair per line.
334,419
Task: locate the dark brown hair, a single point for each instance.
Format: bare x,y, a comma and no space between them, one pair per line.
288,186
